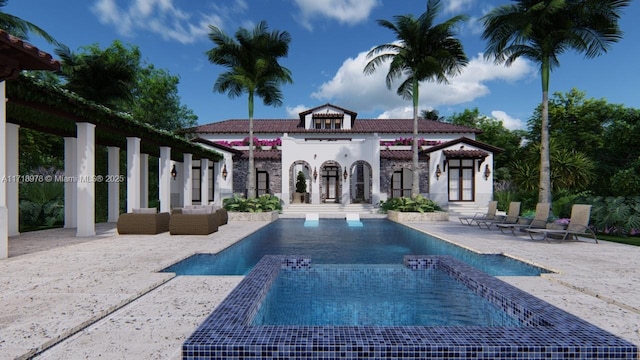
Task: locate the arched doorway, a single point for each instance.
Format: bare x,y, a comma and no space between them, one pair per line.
361,184
330,176
297,166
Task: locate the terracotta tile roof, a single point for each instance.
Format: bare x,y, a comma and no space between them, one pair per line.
464,140
17,55
368,126
401,155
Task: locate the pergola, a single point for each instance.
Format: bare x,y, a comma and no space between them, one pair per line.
83,125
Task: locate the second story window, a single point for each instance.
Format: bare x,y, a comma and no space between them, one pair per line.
327,121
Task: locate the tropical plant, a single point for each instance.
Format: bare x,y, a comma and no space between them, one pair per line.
541,31
41,203
406,204
262,203
252,68
107,76
21,28
616,215
424,51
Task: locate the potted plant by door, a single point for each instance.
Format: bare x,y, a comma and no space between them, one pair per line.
301,185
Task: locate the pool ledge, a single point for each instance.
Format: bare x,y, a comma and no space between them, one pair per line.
548,332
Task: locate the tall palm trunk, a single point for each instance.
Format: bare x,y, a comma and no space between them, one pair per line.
251,185
544,194
415,186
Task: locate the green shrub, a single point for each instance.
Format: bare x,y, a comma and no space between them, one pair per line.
263,203
301,183
41,205
405,204
615,215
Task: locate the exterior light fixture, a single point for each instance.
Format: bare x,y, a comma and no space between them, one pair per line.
438,172
224,171
345,174
174,172
315,174
487,172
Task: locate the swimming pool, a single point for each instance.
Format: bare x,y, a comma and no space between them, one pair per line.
544,331
376,295
333,241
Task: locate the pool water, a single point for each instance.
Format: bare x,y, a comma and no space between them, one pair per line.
378,295
333,241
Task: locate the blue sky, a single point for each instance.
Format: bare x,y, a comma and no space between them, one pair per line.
330,39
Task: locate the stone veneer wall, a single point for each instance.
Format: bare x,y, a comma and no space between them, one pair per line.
240,174
387,168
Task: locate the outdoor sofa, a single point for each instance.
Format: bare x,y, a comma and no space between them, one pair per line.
143,221
197,220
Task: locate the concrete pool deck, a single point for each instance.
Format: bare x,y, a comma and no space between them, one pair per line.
68,298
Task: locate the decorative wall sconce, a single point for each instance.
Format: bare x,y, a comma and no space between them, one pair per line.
345,174
174,172
487,172
224,171
438,172
315,174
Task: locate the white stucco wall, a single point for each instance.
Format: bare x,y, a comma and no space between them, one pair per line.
317,152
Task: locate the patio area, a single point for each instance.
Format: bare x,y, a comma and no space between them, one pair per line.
67,297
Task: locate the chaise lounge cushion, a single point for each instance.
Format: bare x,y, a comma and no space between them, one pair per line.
143,223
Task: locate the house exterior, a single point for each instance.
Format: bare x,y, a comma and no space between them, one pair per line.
349,160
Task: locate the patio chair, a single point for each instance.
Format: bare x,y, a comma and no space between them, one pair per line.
513,215
539,221
489,215
578,226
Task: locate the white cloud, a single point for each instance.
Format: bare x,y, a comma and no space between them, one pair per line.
344,11
457,6
294,112
352,89
160,17
509,122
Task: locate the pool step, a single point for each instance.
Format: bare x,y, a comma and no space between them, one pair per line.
330,210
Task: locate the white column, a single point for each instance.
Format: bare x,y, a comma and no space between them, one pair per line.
204,181
12,157
4,233
86,185
164,183
144,180
133,173
70,186
113,170
187,186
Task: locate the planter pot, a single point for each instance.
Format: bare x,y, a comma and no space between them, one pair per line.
416,216
248,216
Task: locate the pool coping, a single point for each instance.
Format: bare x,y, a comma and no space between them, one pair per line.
552,333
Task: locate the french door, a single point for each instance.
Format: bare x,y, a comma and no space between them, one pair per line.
461,180
330,176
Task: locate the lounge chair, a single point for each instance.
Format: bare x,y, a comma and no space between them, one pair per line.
578,225
539,220
513,215
489,215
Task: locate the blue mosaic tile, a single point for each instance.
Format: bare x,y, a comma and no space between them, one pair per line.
547,332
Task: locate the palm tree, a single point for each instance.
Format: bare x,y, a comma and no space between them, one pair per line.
541,31
21,28
252,66
430,115
424,51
